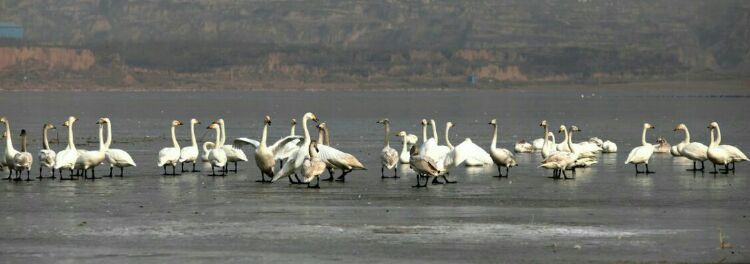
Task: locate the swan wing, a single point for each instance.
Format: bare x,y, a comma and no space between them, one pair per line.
468,151
243,141
640,154
695,150
389,157
47,157
281,144
338,158
121,157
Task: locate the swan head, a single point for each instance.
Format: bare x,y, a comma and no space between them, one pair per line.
267,120
401,134
3,120
49,126
680,127
423,122
23,132
648,126
176,123
311,116
449,124
493,122
713,125
102,121
213,125
574,128
543,123
71,120
661,140
220,121
384,121
562,129
313,145
322,125
294,121
194,121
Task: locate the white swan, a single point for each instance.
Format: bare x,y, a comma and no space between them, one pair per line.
559,161
548,148
217,157
694,151
170,156
407,139
584,149
471,154
234,152
537,144
313,166
677,148
609,147
336,159
735,153
294,162
91,159
66,159
266,156
290,147
46,154
189,154
586,156
641,154
116,157
23,160
10,151
502,157
388,156
522,146
439,151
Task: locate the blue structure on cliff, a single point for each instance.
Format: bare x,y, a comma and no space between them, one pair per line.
10,30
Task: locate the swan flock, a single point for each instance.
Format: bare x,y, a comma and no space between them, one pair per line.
292,156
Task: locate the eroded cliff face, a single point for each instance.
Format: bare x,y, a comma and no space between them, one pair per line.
52,58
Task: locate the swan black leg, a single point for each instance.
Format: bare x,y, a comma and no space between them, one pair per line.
165,169
194,170
395,173
726,169
28,172
647,170
317,184
40,173
53,173
342,178
445,178
435,181
235,167
121,172
330,175
636,169
10,174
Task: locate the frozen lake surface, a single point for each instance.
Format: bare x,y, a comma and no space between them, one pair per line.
606,214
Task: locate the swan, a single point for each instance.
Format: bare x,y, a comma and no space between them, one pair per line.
735,153
234,153
295,161
662,146
266,156
559,161
217,157
523,146
537,144
436,153
585,149
189,154
472,154
438,150
694,151
66,159
10,152
677,149
609,147
313,166
502,157
290,147
406,139
586,157
641,154
46,154
548,148
425,167
335,158
388,156
90,159
207,147
170,155
22,160
116,157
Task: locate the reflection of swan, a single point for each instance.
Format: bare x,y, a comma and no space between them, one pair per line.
46,154
313,166
170,155
662,146
295,161
641,154
735,154
502,157
22,160
189,154
407,139
471,154
694,151
10,152
66,158
116,157
388,156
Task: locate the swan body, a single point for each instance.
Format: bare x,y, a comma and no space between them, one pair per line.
585,149
662,146
470,153
66,159
525,147
538,144
291,147
313,166
189,154
92,159
334,158
217,157
116,157
10,152
388,156
170,155
46,154
723,154
295,162
233,152
641,154
500,156
23,160
559,161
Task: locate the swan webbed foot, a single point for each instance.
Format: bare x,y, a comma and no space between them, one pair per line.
448,181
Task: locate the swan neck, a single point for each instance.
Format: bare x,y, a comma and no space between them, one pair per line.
101,138
23,143
405,146
311,149
192,135
307,132
718,135
109,135
447,139
327,141
546,137
643,137
8,141
387,131
218,138
45,141
434,131
71,144
223,135
321,135
569,139
264,137
174,139
291,133
424,133
494,137
687,136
